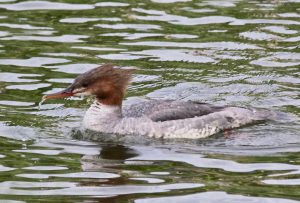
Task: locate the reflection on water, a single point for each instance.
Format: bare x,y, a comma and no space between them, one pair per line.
232,52
211,45
63,38
138,27
213,197
32,62
44,5
24,26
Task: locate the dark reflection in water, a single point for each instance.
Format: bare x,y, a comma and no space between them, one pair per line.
117,152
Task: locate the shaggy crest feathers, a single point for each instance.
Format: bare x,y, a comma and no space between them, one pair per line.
119,78
107,82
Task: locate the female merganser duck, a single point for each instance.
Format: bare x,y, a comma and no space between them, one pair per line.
154,118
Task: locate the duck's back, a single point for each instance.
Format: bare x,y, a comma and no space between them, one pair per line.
179,119
166,110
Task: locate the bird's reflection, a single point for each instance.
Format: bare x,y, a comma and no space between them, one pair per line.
111,156
117,152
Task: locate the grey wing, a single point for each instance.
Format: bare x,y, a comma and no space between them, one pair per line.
165,110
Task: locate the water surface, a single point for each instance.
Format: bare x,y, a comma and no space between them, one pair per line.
233,52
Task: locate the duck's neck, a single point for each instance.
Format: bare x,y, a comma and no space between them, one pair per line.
102,117
113,97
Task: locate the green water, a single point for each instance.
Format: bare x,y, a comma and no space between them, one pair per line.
243,53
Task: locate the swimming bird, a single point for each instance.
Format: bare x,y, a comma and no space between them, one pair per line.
153,118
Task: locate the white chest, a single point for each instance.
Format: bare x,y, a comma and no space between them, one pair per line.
101,117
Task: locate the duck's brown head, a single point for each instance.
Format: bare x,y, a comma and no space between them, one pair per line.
107,83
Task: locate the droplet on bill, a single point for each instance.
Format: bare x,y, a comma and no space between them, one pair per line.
42,101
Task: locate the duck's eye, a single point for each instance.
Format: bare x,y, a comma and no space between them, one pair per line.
85,84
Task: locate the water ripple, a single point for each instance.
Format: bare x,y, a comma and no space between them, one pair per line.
24,26
104,191
73,68
111,4
214,197
133,36
264,21
198,161
91,175
218,3
212,45
45,168
161,55
282,182
254,35
289,15
4,168
139,27
28,87
62,38
279,59
85,20
180,20
17,77
45,5
32,62
15,103
97,48
280,30
169,1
